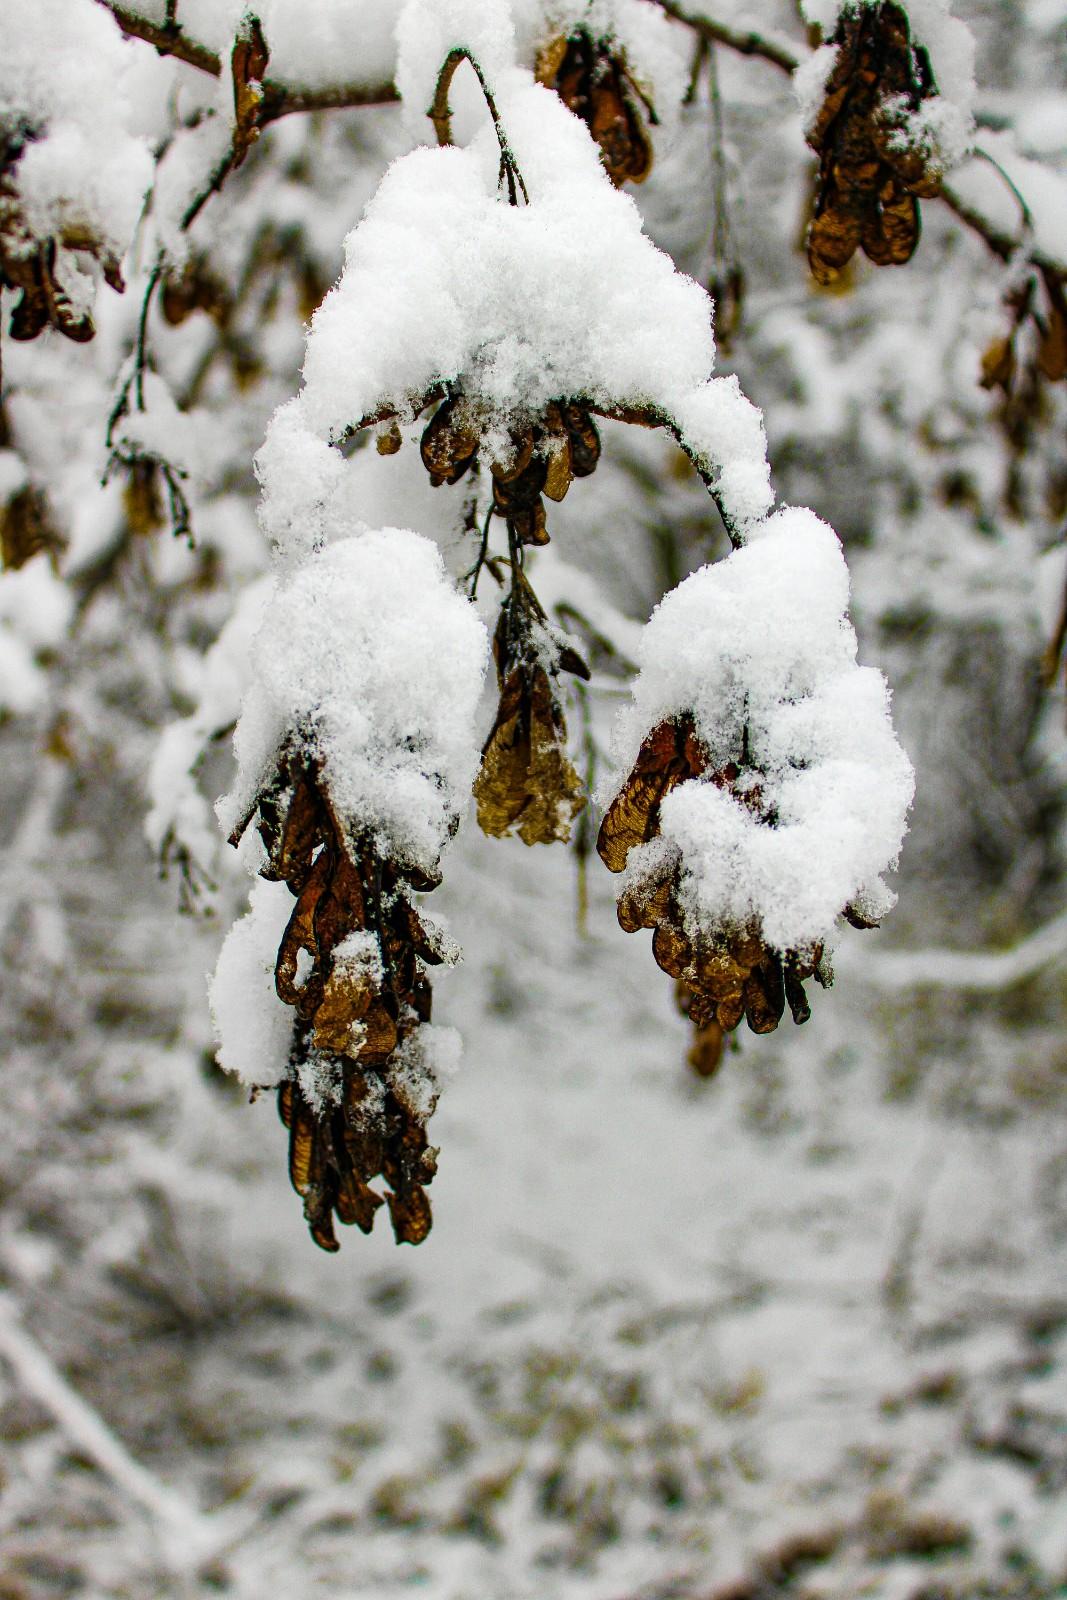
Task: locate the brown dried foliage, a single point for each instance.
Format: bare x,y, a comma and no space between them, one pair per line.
28,263
1018,365
870,179
248,66
527,784
544,457
723,976
592,80
351,1015
26,528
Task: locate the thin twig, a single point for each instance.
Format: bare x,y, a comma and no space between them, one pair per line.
169,37
441,117
746,43
654,417
283,100
279,99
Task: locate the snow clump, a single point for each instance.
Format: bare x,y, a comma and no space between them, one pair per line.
759,651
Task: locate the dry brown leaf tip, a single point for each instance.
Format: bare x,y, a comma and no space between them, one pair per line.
353,964
530,459
592,79
872,171
527,784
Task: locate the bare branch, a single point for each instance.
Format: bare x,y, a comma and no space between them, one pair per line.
744,42
169,38
283,100
653,417
441,117
969,972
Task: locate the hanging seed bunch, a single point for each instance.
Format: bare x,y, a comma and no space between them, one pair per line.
527,784
356,753
1019,364
754,813
31,265
591,77
873,168
537,459
725,976
353,965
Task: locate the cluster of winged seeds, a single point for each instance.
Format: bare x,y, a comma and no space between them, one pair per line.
592,79
542,458
725,976
352,964
873,170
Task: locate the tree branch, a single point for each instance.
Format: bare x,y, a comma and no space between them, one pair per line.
744,42
279,99
653,417
969,972
169,38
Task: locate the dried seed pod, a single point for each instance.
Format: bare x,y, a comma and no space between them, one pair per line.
351,963
449,443
28,263
871,175
26,528
592,80
196,288
527,783
723,975
670,754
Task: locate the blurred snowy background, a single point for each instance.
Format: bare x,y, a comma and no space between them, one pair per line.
800,1330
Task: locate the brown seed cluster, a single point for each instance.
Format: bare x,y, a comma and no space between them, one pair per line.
591,78
353,965
725,976
1019,365
527,784
543,458
28,264
870,177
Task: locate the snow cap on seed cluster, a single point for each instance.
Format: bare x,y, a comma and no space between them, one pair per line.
759,650
370,662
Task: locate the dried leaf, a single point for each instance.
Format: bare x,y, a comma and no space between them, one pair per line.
248,65
670,754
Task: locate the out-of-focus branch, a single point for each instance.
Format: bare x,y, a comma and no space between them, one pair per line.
283,100
746,43
169,38
279,99
1002,244
969,972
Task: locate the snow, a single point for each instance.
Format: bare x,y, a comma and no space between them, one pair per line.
445,282
63,74
35,612
372,662
253,1028
759,646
